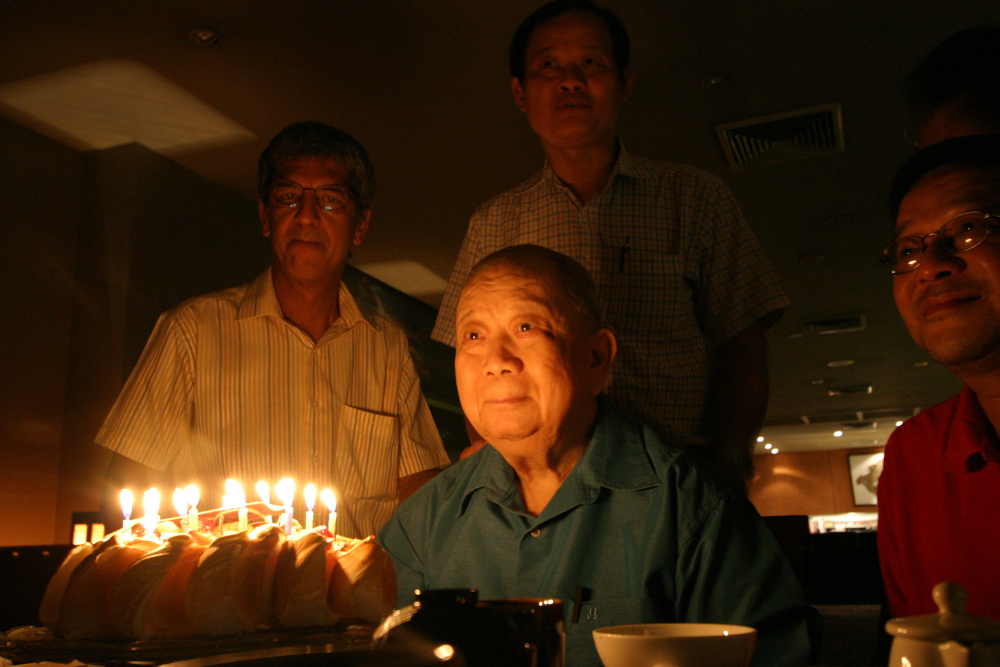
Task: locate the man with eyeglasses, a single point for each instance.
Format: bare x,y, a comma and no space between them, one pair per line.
286,376
684,283
939,493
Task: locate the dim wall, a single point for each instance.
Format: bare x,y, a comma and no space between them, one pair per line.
805,483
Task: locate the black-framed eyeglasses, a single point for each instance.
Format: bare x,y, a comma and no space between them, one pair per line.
960,234
329,198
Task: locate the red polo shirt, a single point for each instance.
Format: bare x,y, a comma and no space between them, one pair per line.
939,508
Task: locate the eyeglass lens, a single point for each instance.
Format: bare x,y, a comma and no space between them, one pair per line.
328,198
958,235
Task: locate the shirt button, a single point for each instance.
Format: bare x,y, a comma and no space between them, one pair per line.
536,532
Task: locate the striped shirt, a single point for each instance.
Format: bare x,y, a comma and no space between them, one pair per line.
677,270
226,387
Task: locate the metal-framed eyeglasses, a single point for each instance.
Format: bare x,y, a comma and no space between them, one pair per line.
328,198
960,234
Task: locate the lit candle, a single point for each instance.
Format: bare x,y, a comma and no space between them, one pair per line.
265,495
263,492
126,498
286,492
180,504
310,494
330,501
151,507
192,495
236,498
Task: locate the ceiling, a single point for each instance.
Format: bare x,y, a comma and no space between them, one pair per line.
423,85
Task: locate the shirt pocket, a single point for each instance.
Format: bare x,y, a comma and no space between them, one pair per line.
366,454
601,613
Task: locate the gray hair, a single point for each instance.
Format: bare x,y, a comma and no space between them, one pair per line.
314,139
566,273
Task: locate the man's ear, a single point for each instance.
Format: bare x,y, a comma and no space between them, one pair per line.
362,226
265,225
518,91
604,347
626,82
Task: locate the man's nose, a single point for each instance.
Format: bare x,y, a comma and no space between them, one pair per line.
937,262
500,357
573,79
308,209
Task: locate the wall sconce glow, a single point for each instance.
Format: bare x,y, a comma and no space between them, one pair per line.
837,434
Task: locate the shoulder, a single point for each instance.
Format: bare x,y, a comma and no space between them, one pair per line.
504,201
927,429
687,482
673,173
221,303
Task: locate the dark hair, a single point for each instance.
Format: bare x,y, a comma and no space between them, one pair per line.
979,151
569,275
315,139
519,42
965,66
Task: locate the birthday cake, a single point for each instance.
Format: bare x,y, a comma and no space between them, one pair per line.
216,580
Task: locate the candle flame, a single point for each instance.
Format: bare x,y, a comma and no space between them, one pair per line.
264,492
151,506
310,494
329,499
286,491
234,495
192,494
180,504
126,498
151,502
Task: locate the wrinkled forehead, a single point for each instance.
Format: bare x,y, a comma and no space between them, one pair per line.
512,283
946,192
571,24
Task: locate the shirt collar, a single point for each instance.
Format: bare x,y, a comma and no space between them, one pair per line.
625,165
261,300
970,441
616,458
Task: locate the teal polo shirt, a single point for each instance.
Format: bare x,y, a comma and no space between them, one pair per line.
643,528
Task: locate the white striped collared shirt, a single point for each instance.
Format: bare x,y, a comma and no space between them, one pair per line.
226,387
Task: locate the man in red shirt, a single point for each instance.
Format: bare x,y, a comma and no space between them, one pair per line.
939,494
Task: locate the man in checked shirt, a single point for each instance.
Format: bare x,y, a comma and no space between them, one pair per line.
683,282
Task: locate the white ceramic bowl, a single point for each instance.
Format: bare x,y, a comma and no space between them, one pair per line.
675,645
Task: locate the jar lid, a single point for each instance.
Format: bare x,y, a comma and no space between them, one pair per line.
951,624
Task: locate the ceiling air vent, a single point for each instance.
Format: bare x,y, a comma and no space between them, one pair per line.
834,325
783,137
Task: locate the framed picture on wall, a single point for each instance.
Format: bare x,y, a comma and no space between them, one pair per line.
865,470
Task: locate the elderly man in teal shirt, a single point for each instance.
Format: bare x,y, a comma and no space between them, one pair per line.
571,501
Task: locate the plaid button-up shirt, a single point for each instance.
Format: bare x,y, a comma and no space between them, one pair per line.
677,269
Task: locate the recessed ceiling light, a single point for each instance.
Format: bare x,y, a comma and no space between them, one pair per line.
714,81
840,363
837,434
774,451
760,438
899,423
768,446
205,37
